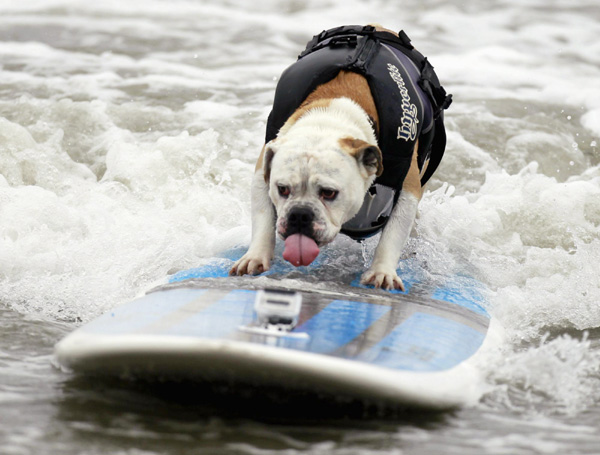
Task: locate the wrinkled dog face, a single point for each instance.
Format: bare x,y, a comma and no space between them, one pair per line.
316,187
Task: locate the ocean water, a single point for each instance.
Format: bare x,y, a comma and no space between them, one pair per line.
128,136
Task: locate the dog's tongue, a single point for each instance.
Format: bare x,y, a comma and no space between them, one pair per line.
300,250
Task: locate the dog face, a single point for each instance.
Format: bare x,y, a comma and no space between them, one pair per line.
318,183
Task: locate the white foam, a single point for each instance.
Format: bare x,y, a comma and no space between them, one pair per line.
591,121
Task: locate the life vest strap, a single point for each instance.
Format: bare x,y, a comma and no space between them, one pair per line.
355,30
347,34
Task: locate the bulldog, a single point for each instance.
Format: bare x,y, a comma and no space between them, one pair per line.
355,132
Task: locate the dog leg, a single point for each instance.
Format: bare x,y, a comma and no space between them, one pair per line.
382,272
258,257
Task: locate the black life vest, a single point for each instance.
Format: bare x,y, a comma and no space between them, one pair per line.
408,96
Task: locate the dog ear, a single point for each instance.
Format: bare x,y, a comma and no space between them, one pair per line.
371,158
268,154
366,154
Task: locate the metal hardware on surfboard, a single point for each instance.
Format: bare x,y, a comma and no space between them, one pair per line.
277,307
276,313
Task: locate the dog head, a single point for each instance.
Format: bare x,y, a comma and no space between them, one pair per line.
317,183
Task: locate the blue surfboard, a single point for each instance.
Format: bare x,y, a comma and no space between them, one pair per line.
412,348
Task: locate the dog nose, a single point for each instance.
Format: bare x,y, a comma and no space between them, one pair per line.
300,221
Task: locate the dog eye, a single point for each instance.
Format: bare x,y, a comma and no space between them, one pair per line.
284,191
328,195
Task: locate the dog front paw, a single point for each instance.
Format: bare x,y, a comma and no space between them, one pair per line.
382,278
251,264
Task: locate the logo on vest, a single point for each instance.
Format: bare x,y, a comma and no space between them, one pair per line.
408,123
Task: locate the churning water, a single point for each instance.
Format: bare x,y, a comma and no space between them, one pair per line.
128,135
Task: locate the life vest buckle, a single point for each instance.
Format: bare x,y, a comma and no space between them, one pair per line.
350,40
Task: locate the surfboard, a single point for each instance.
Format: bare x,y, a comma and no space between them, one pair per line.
281,331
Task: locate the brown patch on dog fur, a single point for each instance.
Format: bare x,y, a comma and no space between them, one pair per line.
356,147
261,157
350,85
381,28
351,145
412,181
264,162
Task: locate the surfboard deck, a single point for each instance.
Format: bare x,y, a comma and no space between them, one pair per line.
410,349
